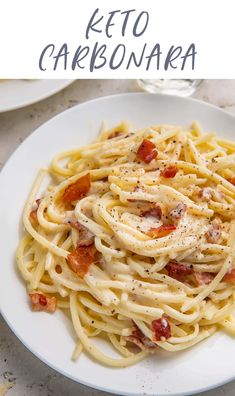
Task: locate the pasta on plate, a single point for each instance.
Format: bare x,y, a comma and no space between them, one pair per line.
134,238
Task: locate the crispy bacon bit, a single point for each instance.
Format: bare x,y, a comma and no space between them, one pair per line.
178,271
213,234
146,151
40,302
161,231
161,329
231,180
145,344
139,339
169,171
34,212
230,276
86,237
77,190
178,211
115,134
203,278
208,193
153,212
137,332
205,194
81,259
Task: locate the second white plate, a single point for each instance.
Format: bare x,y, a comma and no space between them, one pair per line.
15,94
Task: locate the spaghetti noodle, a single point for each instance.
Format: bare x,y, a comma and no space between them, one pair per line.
134,237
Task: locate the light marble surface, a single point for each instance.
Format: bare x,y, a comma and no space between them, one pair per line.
29,376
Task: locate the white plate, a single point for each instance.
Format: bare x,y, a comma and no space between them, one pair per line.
50,337
15,94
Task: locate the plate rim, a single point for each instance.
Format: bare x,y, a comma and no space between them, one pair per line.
47,95
106,97
4,316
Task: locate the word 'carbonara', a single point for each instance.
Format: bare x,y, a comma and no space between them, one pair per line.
134,237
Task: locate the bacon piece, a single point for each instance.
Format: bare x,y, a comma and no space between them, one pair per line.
205,194
178,211
153,212
81,258
178,271
86,237
77,190
34,212
139,339
169,171
161,231
161,329
144,344
203,278
213,234
146,151
137,332
115,134
230,276
40,302
231,180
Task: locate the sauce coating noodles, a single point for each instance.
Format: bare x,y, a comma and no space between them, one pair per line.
134,237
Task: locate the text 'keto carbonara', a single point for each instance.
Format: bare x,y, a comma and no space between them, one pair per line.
134,238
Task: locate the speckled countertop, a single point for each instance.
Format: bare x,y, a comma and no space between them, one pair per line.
29,376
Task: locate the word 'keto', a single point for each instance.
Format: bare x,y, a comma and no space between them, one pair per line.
98,55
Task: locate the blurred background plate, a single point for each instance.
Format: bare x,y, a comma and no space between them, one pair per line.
15,94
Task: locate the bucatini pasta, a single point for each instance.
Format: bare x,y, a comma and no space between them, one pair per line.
134,237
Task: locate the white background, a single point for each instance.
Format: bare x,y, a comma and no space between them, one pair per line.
27,26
